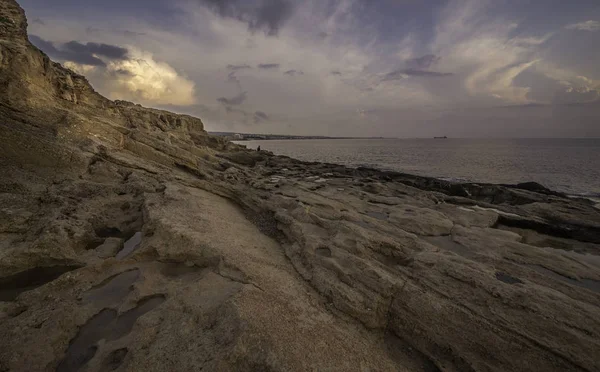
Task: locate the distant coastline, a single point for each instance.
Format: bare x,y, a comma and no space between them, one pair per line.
265,137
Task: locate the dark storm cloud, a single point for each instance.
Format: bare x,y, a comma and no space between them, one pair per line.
131,33
50,49
268,66
232,78
293,72
92,30
231,110
46,46
394,75
416,72
260,116
424,62
244,117
105,50
238,67
80,53
234,101
403,73
264,15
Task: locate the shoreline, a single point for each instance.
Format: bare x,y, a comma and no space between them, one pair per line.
592,196
555,178
505,196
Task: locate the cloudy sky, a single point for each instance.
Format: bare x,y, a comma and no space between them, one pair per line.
401,68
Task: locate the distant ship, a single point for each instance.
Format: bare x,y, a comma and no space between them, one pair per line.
445,137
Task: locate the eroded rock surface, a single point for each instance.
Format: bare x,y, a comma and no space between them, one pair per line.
131,240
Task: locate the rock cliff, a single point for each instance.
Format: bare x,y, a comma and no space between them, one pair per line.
132,240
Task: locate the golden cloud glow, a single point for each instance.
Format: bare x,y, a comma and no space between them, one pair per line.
141,78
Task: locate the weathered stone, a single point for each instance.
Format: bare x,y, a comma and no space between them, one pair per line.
421,221
110,247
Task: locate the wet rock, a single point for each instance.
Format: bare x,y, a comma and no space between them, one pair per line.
130,246
110,247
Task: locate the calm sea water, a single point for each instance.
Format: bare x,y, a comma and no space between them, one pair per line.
568,165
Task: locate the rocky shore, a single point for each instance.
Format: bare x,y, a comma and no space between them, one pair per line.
132,240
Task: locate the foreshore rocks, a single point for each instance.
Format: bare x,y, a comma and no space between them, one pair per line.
132,240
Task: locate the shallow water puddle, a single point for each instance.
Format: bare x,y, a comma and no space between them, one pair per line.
503,277
107,325
83,347
113,289
14,285
592,285
125,321
130,246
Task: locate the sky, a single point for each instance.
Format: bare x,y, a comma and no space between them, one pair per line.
393,68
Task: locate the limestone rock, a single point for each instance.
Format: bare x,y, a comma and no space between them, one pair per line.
421,221
110,247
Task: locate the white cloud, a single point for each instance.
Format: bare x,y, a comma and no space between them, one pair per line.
566,77
482,47
141,78
585,26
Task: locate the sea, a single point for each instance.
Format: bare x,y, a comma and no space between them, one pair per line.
571,166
